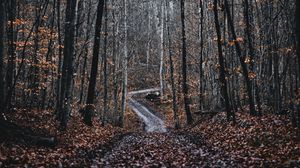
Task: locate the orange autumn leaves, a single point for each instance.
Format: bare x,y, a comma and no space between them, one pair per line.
232,42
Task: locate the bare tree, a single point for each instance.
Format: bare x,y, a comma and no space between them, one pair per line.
94,69
184,67
223,82
174,96
242,60
298,51
67,67
125,69
2,31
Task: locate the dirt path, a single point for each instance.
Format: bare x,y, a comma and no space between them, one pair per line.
158,148
151,121
164,150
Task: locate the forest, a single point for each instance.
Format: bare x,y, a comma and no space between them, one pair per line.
151,83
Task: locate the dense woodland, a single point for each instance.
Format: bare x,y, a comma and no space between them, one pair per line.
68,68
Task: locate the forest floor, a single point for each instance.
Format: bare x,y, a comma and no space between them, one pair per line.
75,146
267,141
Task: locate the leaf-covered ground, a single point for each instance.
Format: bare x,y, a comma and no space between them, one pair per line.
164,150
267,141
75,146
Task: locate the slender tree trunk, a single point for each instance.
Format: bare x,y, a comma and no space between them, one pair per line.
48,57
248,34
94,68
201,76
115,63
125,69
298,52
277,94
67,67
2,31
11,6
148,34
161,66
34,68
250,41
59,68
242,60
84,67
184,68
105,81
83,76
225,95
174,94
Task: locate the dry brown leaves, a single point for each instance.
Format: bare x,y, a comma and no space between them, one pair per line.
77,138
269,140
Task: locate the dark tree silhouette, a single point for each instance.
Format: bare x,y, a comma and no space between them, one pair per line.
92,81
67,67
223,82
185,90
2,31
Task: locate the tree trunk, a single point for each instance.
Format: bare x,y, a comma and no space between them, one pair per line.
298,52
148,35
59,68
2,31
67,67
115,63
242,60
125,69
174,96
11,6
161,48
225,95
105,81
201,75
184,68
48,58
94,68
250,41
84,67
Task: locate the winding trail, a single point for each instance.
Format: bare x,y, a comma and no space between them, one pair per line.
152,122
158,148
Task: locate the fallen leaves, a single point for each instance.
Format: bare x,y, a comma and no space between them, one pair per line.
269,140
78,138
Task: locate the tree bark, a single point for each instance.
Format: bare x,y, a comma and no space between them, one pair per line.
201,75
11,6
115,63
67,67
94,68
59,68
161,48
105,81
174,96
298,53
185,90
242,60
2,31
125,69
230,114
250,41
148,34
